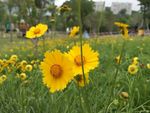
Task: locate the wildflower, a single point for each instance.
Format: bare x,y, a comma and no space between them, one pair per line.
23,76
36,31
74,31
90,59
23,63
80,79
28,68
124,28
118,59
148,66
14,58
3,78
57,70
124,95
132,69
135,61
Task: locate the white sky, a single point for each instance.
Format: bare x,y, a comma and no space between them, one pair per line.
135,3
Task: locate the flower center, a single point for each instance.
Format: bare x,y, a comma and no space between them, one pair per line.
78,60
132,69
37,31
56,70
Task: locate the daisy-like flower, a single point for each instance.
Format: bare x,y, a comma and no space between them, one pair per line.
74,31
80,80
3,78
28,68
23,76
132,69
90,59
135,61
124,29
148,66
57,70
119,24
36,31
118,59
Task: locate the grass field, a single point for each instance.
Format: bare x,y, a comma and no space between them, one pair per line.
29,95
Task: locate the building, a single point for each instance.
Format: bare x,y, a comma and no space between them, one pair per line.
99,6
116,7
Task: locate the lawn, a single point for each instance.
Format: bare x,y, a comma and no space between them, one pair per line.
130,94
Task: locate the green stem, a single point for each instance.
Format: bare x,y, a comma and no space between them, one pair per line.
83,96
115,77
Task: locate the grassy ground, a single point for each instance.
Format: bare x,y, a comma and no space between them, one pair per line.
31,96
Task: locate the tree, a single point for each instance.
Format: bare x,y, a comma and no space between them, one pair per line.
145,8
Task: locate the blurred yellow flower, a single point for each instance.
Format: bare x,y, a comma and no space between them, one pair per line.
80,80
37,31
135,61
14,58
119,24
117,59
124,95
132,69
90,59
23,76
28,68
148,66
3,78
57,70
74,31
124,29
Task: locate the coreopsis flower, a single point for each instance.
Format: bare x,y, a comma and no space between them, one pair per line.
135,61
148,66
28,67
125,95
14,58
3,78
124,29
37,31
80,80
118,59
133,69
74,31
119,24
23,76
90,59
57,70
23,63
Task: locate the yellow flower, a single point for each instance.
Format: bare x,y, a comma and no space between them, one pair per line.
80,80
57,70
90,59
118,59
23,76
124,95
28,68
36,31
23,63
119,24
124,29
148,66
135,61
74,31
14,58
3,78
132,69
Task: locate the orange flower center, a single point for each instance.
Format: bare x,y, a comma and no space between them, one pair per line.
56,70
78,60
37,31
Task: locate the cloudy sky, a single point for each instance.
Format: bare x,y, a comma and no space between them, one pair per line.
135,3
